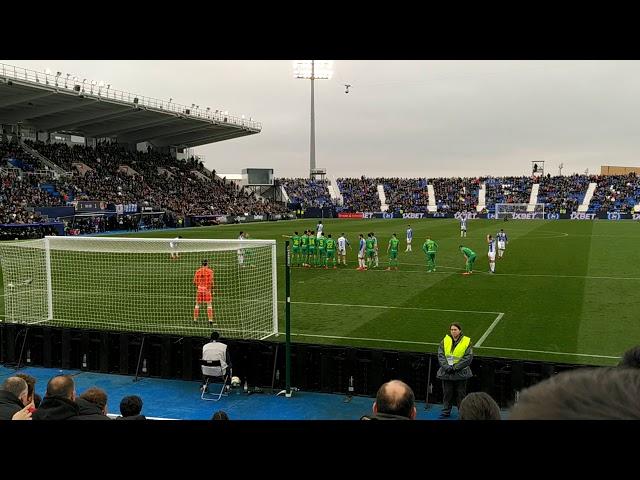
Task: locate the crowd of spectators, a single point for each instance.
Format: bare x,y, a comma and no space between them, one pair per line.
563,194
406,194
456,194
307,192
507,190
359,194
618,193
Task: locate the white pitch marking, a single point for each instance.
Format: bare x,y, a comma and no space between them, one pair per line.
489,330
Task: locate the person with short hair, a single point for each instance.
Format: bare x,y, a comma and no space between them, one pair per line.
59,400
216,350
454,355
395,400
203,280
582,394
479,406
92,405
32,396
13,397
130,408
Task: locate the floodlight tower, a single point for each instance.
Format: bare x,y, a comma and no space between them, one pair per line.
312,70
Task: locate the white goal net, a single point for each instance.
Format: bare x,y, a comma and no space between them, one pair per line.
142,285
522,211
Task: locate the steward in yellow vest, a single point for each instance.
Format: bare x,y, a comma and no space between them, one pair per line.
455,355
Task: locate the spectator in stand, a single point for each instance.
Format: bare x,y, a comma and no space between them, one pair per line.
92,405
59,401
479,406
220,415
32,396
395,401
582,394
13,397
131,408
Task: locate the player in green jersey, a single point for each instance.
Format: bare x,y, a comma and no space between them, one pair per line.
331,252
470,256
375,248
295,248
304,247
430,248
392,250
312,248
371,251
322,250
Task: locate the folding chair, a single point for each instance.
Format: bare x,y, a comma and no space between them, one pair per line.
212,369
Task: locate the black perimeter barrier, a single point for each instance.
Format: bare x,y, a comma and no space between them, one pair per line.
315,368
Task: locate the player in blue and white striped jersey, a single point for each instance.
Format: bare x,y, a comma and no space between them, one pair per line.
502,242
463,224
409,238
361,253
491,253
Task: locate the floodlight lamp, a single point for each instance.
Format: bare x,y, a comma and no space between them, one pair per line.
317,69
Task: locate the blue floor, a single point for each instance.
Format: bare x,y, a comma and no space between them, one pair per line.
178,399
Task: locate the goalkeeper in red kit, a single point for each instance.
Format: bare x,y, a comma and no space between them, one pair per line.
203,280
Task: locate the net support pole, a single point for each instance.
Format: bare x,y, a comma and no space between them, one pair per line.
47,261
287,317
274,270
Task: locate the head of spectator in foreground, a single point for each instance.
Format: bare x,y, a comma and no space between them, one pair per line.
130,406
395,398
631,358
214,336
62,386
97,396
18,387
220,415
583,394
479,406
205,262
31,385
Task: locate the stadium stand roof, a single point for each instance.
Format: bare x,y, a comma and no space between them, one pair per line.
56,102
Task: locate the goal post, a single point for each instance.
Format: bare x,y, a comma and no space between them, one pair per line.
141,284
520,210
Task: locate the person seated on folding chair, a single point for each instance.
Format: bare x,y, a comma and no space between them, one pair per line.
217,352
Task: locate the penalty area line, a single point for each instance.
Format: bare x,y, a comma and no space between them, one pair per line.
391,307
489,330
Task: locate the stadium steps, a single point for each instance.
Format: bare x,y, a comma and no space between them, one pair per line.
533,199
383,198
285,195
34,153
334,192
482,198
584,206
433,205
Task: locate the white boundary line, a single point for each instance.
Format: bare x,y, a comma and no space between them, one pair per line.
550,353
489,330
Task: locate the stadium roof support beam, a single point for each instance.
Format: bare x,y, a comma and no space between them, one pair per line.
7,102
147,122
81,120
39,111
160,134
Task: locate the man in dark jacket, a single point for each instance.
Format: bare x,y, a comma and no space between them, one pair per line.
395,401
454,355
13,397
92,404
130,408
59,401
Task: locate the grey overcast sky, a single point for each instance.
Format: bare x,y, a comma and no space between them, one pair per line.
402,118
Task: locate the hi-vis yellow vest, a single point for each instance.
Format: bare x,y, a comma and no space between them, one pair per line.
454,356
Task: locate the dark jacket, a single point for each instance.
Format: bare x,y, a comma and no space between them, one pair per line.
56,408
9,405
89,411
462,370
